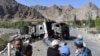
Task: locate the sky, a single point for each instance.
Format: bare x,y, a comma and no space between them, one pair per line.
75,3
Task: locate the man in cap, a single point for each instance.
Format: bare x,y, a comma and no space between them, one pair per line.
81,50
53,50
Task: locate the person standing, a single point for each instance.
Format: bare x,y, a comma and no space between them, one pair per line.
27,50
81,38
81,50
53,50
18,47
64,50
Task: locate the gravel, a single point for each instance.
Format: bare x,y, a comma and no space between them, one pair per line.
39,48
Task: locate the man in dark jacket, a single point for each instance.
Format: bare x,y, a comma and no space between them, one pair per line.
53,50
18,47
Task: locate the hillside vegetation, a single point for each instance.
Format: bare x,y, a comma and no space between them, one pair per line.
3,41
17,24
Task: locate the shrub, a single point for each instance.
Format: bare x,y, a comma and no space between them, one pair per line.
3,41
17,24
97,24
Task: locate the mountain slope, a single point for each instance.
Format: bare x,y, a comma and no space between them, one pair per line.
10,9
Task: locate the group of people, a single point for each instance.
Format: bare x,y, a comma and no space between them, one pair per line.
63,50
56,49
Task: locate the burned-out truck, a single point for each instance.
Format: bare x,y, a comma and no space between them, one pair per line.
46,30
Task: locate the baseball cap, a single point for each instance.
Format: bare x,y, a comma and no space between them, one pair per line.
78,43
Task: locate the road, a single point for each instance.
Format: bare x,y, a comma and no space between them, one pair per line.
90,40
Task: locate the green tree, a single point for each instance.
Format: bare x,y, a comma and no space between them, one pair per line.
97,23
91,23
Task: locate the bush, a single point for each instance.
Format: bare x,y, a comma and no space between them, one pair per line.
20,24
17,24
97,24
98,29
3,41
91,23
4,24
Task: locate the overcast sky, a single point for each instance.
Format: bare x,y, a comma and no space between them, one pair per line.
75,3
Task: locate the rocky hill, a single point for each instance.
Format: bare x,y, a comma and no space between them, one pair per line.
89,10
64,13
10,9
